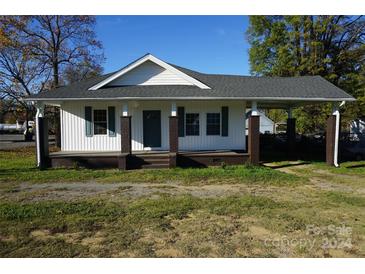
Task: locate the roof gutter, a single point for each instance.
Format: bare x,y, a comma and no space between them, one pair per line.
198,98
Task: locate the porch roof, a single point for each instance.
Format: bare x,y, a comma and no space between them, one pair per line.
267,90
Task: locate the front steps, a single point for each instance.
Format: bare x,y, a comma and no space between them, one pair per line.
149,161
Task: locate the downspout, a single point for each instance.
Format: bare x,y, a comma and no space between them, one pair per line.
336,112
38,114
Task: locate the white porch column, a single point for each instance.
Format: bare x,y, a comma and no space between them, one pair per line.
173,109
40,114
254,111
125,112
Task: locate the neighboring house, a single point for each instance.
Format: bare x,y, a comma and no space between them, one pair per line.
357,127
155,114
266,124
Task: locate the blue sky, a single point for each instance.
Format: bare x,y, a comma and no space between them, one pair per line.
211,44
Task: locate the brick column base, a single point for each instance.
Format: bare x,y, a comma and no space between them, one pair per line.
172,159
123,161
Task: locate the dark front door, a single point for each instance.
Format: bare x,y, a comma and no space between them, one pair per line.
152,128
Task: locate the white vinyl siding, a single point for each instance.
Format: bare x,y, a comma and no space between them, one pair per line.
149,73
236,126
73,135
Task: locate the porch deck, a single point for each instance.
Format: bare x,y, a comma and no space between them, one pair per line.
146,159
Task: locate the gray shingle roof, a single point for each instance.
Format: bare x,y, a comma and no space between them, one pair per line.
222,86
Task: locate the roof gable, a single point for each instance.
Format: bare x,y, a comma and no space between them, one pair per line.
149,70
148,74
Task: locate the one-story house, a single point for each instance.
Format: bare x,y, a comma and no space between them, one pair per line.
154,114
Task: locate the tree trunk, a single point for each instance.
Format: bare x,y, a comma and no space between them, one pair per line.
56,109
297,46
55,74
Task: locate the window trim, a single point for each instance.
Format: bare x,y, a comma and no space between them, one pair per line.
220,124
199,124
107,123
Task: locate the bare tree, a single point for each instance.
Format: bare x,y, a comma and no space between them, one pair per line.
20,76
61,41
55,44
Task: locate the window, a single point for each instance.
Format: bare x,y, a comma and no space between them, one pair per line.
192,124
213,124
100,121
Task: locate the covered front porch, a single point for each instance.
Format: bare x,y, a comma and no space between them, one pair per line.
173,154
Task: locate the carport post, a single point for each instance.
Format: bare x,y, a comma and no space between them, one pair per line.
290,132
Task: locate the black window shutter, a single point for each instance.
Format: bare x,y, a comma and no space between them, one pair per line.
181,121
224,121
88,122
111,121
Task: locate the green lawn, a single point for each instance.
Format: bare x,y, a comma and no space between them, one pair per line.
19,166
214,212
